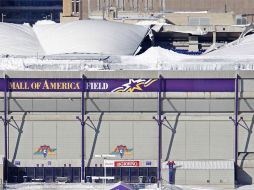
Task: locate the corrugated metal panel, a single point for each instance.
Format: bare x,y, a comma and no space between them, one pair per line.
203,165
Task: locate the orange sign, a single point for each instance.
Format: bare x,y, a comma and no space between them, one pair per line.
127,163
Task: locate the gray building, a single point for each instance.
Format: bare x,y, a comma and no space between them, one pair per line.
81,9
44,134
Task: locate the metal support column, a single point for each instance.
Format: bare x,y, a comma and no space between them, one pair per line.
236,122
159,113
5,132
83,130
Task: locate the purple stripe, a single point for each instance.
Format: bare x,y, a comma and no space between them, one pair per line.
200,85
118,85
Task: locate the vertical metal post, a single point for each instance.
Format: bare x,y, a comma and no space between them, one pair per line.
83,130
5,132
236,122
159,113
105,172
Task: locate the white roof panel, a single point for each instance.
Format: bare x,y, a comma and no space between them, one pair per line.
86,36
90,36
18,40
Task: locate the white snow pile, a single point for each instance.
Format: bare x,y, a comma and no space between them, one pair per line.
86,36
44,22
236,55
241,47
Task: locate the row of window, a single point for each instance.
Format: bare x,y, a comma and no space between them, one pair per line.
50,174
30,16
130,4
32,3
47,174
197,21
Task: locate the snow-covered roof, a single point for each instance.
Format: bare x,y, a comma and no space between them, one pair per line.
86,36
114,39
18,40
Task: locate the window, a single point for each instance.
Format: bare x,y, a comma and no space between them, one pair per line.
143,171
241,20
196,21
39,173
135,5
75,7
152,171
117,173
150,5
134,175
13,175
109,171
98,171
48,172
67,172
58,172
126,175
89,171
121,5
76,175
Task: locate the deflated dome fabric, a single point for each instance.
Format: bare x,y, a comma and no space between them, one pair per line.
86,36
18,40
90,36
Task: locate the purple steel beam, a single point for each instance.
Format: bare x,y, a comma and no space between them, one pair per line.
236,122
5,131
159,113
83,130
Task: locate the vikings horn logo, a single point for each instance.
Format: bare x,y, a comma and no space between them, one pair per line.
135,85
45,150
121,150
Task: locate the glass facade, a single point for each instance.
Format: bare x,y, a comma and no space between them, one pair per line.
30,11
50,174
126,174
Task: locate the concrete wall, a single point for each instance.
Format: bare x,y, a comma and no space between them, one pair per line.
214,18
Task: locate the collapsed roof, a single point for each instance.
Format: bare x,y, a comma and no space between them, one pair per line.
86,36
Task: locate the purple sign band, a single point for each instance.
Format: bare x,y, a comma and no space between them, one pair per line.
116,85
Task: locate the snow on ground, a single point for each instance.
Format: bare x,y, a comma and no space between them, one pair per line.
77,186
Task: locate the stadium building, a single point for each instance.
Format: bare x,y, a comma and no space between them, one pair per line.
72,110
52,122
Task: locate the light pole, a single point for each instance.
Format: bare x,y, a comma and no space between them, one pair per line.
3,15
105,156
